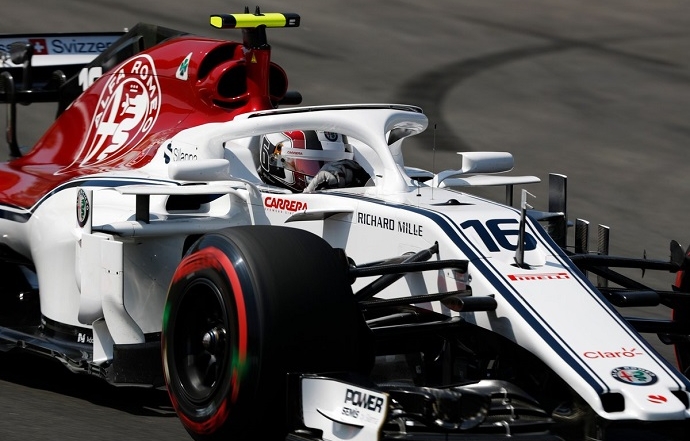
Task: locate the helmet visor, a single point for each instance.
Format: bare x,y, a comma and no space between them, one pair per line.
308,167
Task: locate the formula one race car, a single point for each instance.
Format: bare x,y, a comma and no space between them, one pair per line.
297,277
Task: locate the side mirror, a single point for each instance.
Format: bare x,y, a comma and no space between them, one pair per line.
21,52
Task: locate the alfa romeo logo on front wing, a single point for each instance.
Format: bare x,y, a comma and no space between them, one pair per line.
634,375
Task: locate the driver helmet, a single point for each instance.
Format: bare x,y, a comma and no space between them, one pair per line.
292,159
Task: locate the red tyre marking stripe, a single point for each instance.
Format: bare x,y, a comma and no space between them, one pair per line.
212,257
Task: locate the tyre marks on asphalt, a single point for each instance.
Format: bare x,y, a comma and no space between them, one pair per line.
429,90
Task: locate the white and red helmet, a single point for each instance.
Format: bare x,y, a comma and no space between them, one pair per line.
292,159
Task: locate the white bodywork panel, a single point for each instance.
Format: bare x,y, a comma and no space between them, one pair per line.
112,274
343,411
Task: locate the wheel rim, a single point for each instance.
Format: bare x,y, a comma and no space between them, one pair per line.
201,341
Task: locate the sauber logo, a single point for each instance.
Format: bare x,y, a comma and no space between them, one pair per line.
543,276
284,204
127,109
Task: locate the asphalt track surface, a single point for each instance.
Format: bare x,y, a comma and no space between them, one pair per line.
596,90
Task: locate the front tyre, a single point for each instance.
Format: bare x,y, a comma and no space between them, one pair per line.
246,306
